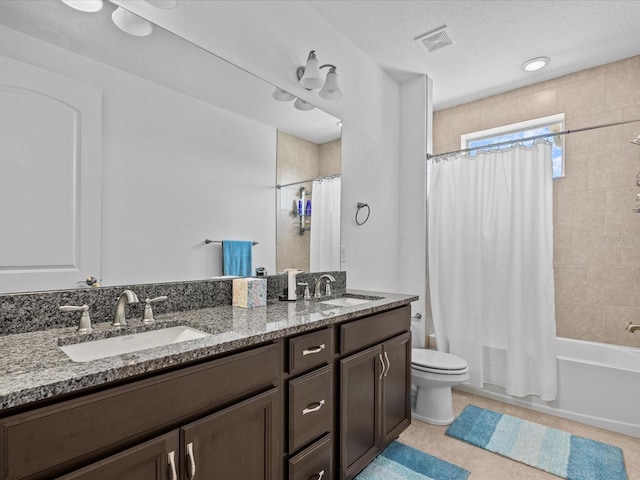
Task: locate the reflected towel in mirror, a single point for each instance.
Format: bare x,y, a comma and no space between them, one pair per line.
236,255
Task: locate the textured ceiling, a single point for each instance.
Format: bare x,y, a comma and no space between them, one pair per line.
491,39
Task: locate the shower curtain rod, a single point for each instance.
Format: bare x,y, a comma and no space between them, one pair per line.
327,177
536,137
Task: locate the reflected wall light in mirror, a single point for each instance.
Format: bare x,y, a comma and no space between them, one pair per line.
162,3
89,6
131,23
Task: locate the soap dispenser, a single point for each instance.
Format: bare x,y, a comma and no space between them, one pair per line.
291,282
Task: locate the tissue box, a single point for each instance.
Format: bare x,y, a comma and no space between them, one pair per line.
249,292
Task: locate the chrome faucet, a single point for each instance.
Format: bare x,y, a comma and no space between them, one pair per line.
632,328
328,286
129,297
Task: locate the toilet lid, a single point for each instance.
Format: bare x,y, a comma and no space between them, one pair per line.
423,358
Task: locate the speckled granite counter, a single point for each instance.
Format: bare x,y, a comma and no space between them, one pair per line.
34,368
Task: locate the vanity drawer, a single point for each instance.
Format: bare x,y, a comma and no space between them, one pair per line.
310,350
374,329
310,407
314,462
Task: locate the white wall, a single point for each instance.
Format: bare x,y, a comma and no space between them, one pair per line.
271,39
176,170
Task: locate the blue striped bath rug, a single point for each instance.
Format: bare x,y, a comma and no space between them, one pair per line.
554,451
400,462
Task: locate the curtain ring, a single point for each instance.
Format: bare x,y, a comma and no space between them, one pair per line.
360,205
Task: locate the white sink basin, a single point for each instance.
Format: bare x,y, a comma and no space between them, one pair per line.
109,347
345,301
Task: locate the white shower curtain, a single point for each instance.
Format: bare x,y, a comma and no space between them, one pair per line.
325,226
491,266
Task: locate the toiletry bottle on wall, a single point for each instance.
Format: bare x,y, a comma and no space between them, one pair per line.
307,209
299,208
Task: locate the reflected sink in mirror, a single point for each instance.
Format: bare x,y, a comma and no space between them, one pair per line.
349,300
109,347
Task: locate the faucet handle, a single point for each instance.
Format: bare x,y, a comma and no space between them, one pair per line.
85,321
147,318
327,287
307,295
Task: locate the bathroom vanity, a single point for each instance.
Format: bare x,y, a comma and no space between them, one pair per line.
294,390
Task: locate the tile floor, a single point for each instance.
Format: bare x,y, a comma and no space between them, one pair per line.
485,465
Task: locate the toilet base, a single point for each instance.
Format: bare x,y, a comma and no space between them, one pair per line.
434,405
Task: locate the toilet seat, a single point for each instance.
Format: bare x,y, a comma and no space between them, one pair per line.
442,363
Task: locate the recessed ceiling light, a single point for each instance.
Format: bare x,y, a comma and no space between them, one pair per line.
535,64
89,6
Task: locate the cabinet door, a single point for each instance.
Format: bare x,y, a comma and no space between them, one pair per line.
396,387
156,459
239,442
360,406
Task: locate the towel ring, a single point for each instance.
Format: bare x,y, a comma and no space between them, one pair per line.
360,206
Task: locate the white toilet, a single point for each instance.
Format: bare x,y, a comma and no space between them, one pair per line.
433,373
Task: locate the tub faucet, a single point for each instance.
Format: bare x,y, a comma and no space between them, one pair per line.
330,279
632,328
129,297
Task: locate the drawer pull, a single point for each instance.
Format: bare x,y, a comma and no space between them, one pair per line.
383,367
316,406
312,350
191,464
317,476
172,466
388,364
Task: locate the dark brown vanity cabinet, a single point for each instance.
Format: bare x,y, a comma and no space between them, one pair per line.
375,387
225,413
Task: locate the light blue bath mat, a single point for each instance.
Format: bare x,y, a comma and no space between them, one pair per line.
399,462
554,451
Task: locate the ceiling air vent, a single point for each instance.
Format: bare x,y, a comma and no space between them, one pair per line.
434,40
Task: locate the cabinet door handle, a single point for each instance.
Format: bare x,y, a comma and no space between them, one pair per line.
172,466
317,476
191,464
388,363
316,406
312,350
383,367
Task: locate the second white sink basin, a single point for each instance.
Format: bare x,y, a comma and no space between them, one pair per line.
109,347
345,301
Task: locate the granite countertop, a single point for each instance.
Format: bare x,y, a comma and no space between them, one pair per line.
34,368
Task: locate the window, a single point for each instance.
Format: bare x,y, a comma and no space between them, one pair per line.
517,131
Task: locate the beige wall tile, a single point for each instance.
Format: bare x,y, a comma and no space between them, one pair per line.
576,179
538,104
630,247
614,168
616,320
562,246
582,97
596,247
581,209
619,208
580,321
621,83
613,286
501,112
590,141
570,284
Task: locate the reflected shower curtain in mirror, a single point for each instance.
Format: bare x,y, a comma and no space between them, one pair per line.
325,226
491,266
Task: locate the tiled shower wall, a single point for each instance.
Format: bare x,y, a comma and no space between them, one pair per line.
596,234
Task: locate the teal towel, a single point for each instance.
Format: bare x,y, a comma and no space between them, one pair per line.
236,256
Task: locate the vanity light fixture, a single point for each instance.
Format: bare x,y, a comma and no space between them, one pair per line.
131,23
302,105
282,95
162,3
88,6
535,64
310,78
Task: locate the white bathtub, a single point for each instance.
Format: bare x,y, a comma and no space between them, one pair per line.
598,384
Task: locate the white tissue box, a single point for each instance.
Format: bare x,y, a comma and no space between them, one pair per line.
249,292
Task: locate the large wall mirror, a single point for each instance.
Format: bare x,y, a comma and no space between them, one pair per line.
120,155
